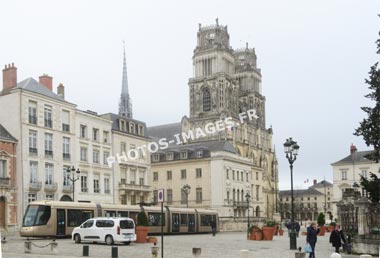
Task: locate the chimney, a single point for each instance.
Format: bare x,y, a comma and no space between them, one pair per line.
353,149
47,81
9,76
314,181
61,90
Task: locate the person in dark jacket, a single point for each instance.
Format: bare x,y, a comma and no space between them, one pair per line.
311,238
337,237
297,227
213,227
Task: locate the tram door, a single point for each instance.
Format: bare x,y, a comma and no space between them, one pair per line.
191,222
175,222
61,222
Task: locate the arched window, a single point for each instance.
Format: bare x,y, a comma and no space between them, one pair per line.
206,100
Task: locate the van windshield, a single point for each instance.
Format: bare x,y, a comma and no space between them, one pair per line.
126,224
36,215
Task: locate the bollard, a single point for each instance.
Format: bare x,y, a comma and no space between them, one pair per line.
335,255
243,253
300,254
86,250
154,250
28,246
53,246
114,252
196,252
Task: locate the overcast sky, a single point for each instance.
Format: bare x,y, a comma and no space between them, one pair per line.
314,57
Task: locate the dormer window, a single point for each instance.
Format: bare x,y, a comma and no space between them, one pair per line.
169,156
156,157
199,153
123,126
141,130
183,154
131,127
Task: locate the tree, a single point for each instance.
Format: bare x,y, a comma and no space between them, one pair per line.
372,187
370,127
321,219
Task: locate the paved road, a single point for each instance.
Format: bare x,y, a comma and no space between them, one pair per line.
223,245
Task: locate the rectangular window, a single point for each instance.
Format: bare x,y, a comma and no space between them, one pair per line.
106,154
66,176
246,176
199,195
66,148
133,199
49,172
155,176
48,145
32,197
107,185
257,192
49,197
241,176
3,169
77,217
169,156
364,173
123,147
32,109
141,181
184,220
48,117
199,153
183,197
183,174
105,137
227,174
95,156
156,157
257,175
33,142
95,134
83,131
344,175
155,196
184,155
65,121
83,153
237,175
96,184
169,195
233,174
169,175
83,183
33,167
198,172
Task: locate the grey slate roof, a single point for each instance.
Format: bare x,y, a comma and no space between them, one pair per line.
5,135
304,192
116,125
322,184
357,156
164,131
32,85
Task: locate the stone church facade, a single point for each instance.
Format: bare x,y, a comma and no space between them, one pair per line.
225,83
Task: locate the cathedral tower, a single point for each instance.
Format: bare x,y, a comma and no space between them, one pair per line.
125,105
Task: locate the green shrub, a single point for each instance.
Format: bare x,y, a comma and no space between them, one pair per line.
321,219
142,219
270,223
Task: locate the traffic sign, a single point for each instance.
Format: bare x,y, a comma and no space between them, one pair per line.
160,195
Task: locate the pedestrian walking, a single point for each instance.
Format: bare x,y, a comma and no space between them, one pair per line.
337,237
213,227
311,237
297,227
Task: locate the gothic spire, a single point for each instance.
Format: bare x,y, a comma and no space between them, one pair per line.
125,105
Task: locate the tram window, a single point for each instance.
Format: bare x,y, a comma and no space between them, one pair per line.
183,219
205,220
77,217
37,215
155,219
123,214
110,214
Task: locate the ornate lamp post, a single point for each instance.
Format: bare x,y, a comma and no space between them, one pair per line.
74,175
186,190
247,197
291,150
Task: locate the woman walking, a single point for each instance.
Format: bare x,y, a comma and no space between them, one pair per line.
337,237
311,237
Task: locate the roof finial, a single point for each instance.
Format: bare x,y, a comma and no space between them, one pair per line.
246,45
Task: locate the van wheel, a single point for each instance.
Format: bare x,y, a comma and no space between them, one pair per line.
77,238
109,240
127,243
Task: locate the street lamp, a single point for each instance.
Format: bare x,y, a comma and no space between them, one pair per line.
186,190
291,150
73,176
247,197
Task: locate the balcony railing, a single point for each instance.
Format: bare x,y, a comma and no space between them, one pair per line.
125,186
67,188
48,153
33,151
33,120
4,181
84,189
66,156
36,185
96,190
107,191
50,186
48,123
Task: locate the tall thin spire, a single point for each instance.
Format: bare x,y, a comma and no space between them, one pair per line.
125,105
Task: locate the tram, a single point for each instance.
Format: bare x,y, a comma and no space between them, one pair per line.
58,219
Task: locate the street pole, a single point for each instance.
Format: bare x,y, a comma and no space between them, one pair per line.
292,235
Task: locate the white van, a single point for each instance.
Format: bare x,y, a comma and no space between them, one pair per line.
108,230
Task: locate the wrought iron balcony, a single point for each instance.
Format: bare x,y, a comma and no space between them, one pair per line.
4,181
67,188
125,186
33,151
